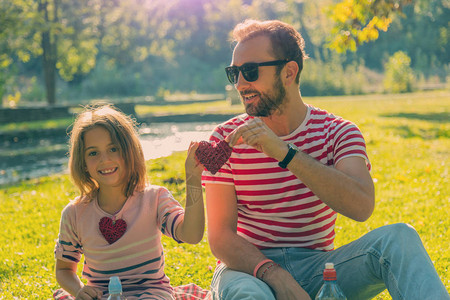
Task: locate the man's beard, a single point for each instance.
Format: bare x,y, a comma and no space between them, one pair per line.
267,103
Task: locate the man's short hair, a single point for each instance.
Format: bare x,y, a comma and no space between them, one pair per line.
287,43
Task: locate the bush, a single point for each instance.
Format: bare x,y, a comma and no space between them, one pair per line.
399,76
326,78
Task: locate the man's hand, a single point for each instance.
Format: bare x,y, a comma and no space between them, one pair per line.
284,285
257,134
89,293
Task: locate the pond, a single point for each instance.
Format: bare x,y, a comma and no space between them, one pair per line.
158,140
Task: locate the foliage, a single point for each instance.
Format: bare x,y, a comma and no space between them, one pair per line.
135,48
17,43
332,77
359,21
422,34
399,76
408,142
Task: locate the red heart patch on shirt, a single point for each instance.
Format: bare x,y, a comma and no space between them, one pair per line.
112,230
213,155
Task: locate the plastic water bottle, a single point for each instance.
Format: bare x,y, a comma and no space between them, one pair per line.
115,289
330,290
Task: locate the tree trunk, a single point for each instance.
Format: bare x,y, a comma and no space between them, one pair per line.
49,52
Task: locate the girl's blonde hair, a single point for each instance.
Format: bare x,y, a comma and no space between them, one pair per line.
122,130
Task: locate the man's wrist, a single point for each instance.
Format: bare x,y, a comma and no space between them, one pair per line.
259,266
265,269
273,276
292,151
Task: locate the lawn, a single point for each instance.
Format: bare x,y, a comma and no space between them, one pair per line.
408,141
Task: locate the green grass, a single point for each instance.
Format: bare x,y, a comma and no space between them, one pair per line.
46,124
408,141
220,106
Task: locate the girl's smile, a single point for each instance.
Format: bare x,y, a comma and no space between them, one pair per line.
108,171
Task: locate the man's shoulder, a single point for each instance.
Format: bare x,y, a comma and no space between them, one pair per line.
224,129
319,115
237,120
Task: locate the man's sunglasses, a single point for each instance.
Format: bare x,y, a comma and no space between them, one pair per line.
250,70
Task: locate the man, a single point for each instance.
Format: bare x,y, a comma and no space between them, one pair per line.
272,206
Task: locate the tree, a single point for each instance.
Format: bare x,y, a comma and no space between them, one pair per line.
49,38
42,28
16,40
360,21
107,48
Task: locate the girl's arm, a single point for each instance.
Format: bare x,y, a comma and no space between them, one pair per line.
192,227
67,278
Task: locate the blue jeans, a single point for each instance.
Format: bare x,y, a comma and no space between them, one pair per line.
391,257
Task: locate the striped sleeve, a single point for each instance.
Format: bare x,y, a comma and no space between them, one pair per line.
349,141
68,247
170,213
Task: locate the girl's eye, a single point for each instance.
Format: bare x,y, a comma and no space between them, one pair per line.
114,149
93,153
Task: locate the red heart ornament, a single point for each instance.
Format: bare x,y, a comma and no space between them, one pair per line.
112,230
213,155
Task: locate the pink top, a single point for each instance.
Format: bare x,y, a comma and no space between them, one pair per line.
136,257
275,208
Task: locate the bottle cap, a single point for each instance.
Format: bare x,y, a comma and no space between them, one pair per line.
329,273
114,287
329,266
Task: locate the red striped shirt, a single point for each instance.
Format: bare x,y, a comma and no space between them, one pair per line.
275,208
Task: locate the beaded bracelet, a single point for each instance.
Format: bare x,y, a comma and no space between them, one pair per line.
258,266
267,269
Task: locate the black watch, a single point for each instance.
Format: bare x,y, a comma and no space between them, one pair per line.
289,156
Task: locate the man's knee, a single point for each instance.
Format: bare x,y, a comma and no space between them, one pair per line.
399,238
402,232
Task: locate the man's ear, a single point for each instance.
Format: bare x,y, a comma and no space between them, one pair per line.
291,72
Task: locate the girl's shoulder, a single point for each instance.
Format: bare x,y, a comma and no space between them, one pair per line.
74,210
152,188
152,197
77,204
154,192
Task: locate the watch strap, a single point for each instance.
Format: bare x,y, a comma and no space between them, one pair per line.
289,156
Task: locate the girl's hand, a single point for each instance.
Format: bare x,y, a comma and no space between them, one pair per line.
192,166
89,293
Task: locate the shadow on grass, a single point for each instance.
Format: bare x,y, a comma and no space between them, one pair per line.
438,131
439,117
422,133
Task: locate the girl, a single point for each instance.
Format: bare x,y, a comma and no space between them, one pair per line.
118,219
